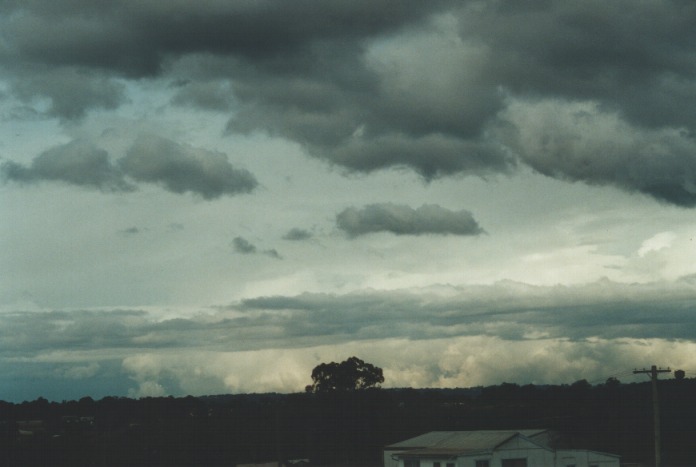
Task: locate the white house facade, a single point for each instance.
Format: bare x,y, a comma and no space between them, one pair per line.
491,448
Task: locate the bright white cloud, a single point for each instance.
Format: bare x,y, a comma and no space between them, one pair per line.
441,363
657,242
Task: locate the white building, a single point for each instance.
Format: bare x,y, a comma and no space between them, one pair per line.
494,448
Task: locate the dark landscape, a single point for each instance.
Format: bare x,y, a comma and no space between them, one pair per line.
340,428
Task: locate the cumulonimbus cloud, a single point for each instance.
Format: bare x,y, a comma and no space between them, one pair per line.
404,220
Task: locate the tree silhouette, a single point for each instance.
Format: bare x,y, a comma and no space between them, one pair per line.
349,375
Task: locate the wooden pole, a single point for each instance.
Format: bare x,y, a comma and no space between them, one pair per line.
653,372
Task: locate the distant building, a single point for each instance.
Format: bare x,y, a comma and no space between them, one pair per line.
491,448
32,427
73,424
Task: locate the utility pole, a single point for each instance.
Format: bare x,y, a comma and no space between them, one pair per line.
653,372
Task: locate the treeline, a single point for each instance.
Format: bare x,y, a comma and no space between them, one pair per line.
340,427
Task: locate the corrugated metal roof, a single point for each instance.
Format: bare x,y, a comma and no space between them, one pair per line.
460,441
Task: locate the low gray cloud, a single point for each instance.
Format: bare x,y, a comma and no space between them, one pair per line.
273,253
177,168
77,163
181,168
243,246
404,220
130,231
296,234
509,311
61,330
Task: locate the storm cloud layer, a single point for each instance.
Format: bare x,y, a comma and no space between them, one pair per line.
571,320
354,82
459,192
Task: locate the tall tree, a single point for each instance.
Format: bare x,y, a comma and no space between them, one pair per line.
349,375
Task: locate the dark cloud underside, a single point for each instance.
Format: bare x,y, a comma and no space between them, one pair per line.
71,92
372,85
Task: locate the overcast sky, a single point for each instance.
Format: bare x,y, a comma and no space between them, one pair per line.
216,196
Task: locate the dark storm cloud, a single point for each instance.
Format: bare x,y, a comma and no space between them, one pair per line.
636,58
297,71
404,220
211,95
579,143
633,61
135,37
77,163
372,85
181,168
71,92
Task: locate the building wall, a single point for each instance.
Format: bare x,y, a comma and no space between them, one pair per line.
388,461
582,458
521,448
536,457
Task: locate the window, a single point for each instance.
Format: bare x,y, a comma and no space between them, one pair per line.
436,464
483,463
411,462
514,463
450,464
